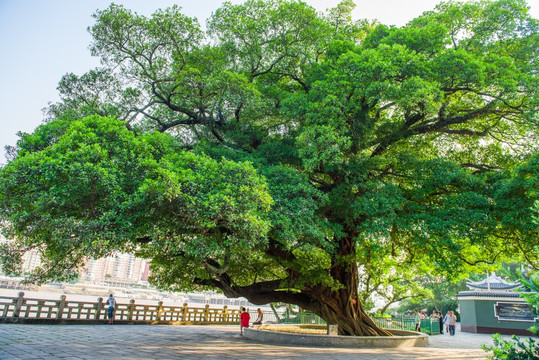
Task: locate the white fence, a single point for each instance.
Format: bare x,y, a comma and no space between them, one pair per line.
27,310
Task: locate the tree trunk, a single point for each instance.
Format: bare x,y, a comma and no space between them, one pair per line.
352,319
343,307
340,306
272,305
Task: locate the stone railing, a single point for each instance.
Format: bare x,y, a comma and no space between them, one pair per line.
39,311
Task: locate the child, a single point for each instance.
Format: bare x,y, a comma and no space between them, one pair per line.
244,320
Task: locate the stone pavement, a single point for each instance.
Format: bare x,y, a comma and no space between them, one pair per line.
199,342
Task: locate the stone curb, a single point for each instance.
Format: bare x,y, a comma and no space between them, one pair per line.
402,339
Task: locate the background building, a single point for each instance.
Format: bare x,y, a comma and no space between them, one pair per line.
119,266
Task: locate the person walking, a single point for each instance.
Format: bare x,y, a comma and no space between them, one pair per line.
441,321
417,321
111,302
244,320
446,321
452,323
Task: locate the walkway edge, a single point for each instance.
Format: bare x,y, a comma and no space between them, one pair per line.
402,339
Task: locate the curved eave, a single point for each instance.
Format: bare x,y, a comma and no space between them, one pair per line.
487,295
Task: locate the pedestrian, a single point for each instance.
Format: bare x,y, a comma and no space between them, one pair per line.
244,320
259,318
111,302
417,321
441,320
452,323
446,321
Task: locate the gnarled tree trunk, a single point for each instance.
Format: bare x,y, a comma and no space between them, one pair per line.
343,307
339,306
351,318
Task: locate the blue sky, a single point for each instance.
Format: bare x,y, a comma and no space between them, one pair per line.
42,40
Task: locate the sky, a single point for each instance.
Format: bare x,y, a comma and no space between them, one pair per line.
42,40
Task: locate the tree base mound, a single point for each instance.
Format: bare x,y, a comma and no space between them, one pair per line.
316,335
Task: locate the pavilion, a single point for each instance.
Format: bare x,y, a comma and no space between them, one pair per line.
493,306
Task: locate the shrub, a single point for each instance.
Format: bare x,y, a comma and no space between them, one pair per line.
515,349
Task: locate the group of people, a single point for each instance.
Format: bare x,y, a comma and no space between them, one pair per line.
245,317
447,322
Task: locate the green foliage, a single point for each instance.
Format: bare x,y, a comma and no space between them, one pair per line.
437,293
517,349
98,188
530,284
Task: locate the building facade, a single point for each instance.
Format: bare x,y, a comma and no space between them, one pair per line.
493,306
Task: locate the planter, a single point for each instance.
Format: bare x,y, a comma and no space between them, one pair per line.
401,339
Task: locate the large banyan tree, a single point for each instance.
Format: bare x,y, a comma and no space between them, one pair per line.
273,152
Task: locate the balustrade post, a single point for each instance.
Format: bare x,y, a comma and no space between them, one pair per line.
79,310
99,308
18,304
225,313
40,304
184,312
61,305
206,312
131,310
159,311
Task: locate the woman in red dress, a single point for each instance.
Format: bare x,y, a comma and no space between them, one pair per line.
244,319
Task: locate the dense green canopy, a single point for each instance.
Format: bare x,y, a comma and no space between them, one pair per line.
272,154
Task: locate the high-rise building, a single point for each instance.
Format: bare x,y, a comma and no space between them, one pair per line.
31,260
118,266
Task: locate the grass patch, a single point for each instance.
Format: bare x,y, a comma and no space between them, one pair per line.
296,329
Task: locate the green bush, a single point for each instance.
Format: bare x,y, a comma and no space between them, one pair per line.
378,314
515,349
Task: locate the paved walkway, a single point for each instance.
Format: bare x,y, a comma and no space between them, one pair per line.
199,342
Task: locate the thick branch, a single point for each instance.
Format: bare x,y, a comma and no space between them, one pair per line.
408,130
